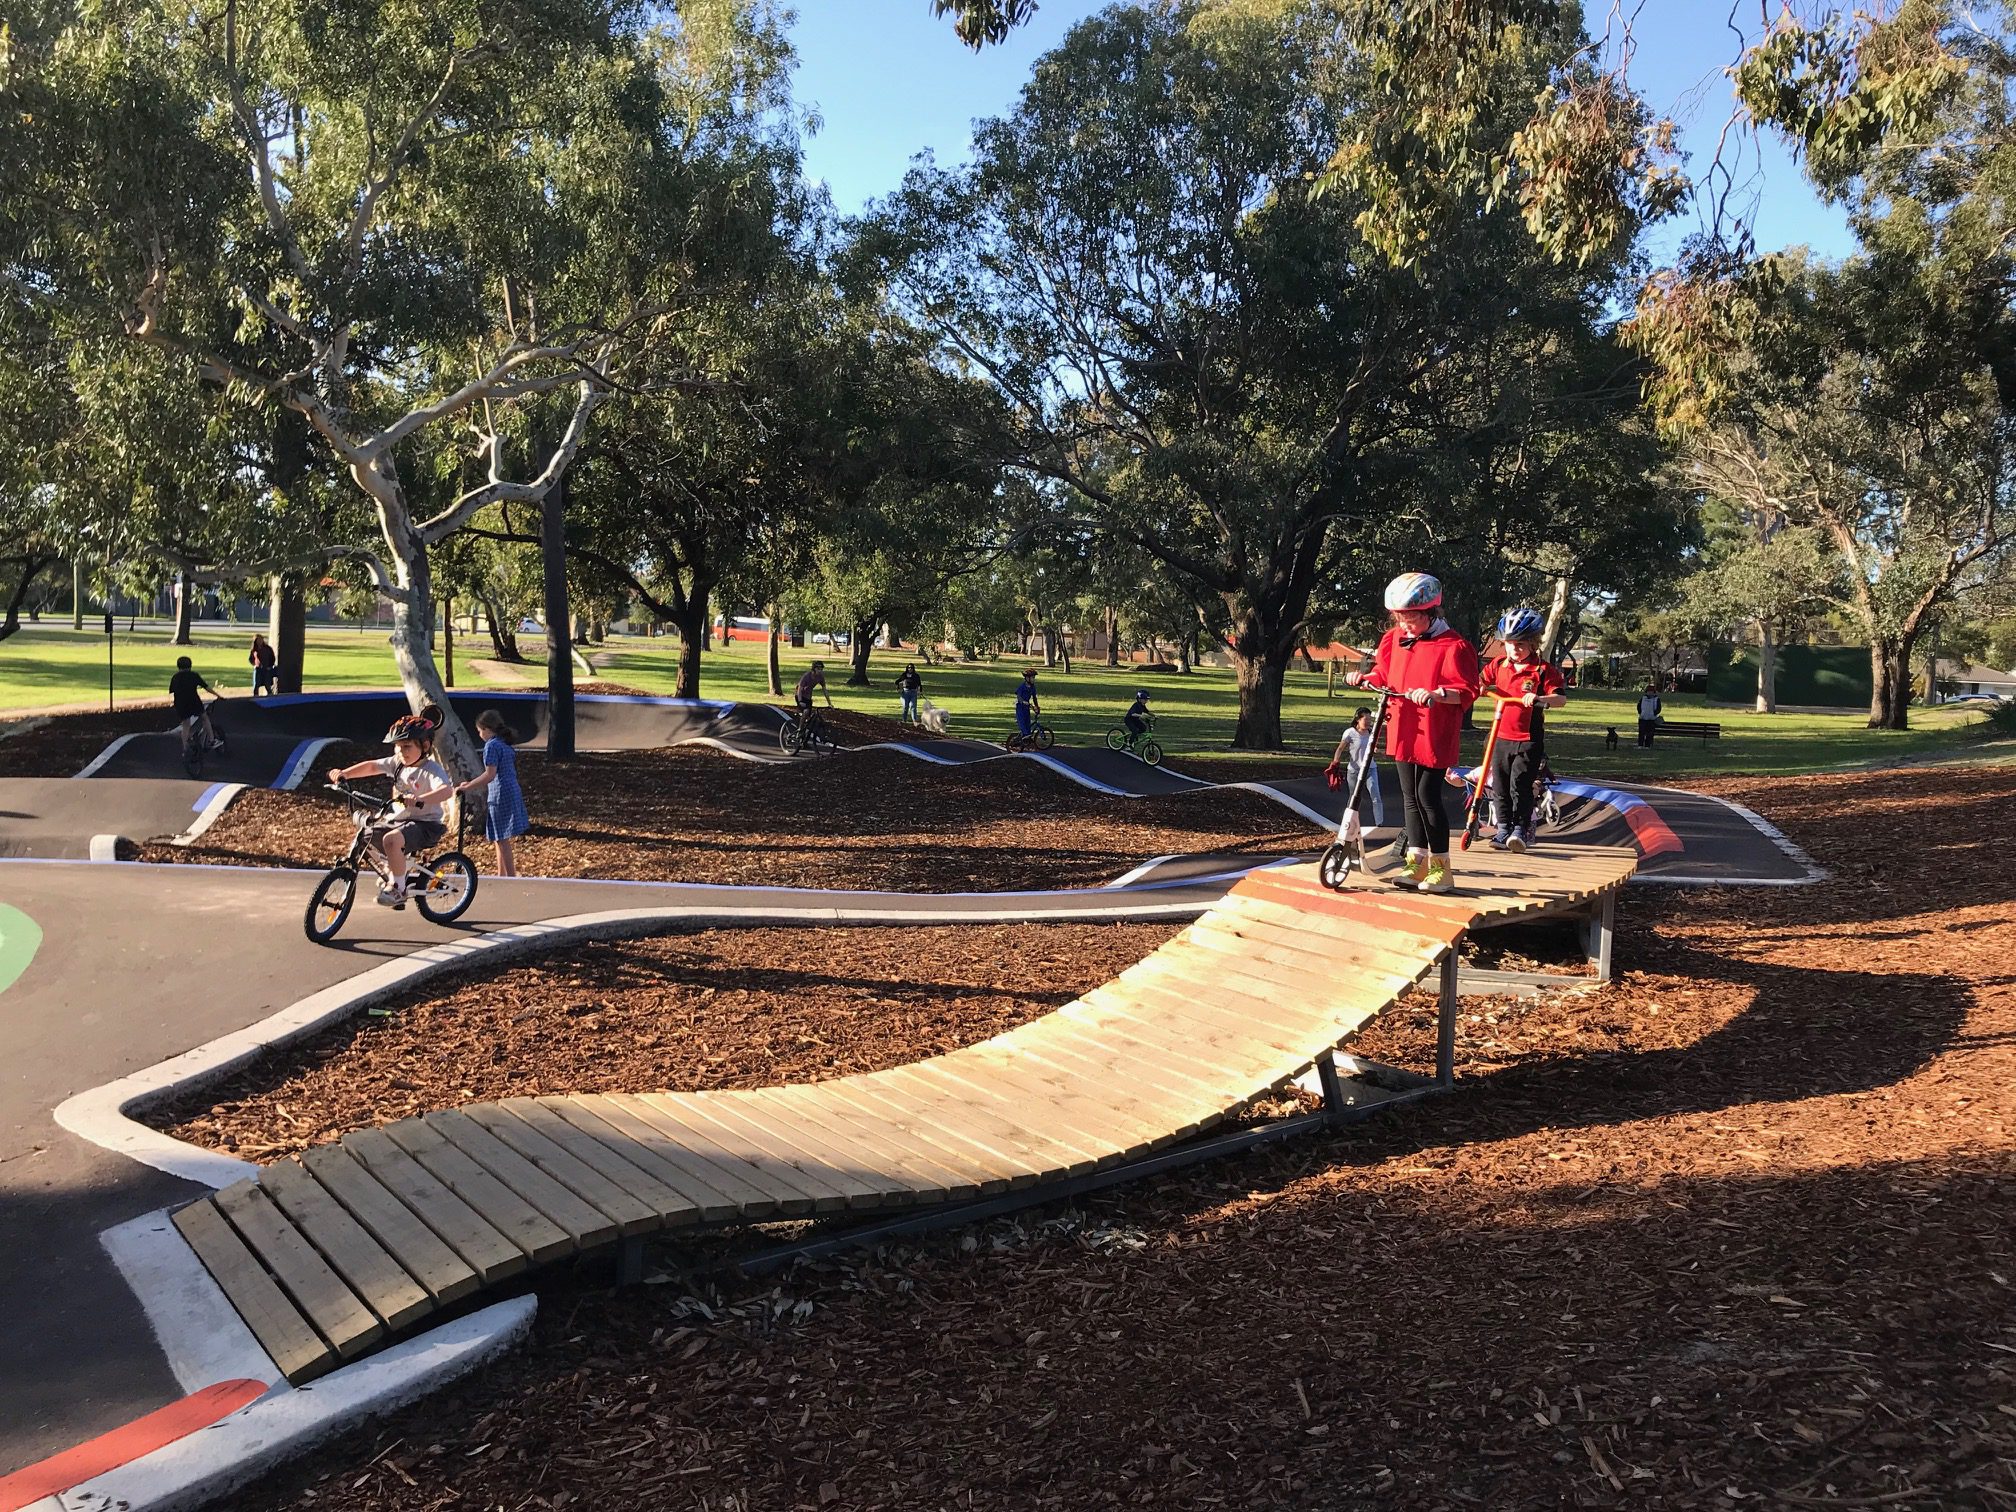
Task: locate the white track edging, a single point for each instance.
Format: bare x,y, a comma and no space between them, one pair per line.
212,812
283,1424
109,752
199,1331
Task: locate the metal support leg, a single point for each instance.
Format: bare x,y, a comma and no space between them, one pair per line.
1445,1039
630,1262
1333,1090
1598,933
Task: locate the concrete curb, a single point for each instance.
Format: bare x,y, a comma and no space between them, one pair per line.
287,1423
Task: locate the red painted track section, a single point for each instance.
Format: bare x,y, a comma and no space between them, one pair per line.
122,1446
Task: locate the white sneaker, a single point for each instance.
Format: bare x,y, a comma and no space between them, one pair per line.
392,897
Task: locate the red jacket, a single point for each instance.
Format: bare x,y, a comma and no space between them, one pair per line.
1427,735
1508,682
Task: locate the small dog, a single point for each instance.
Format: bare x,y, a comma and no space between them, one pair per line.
930,716
1610,738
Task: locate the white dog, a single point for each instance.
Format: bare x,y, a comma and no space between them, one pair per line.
930,716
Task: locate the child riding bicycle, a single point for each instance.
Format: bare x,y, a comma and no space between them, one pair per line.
1138,718
422,789
1028,708
186,687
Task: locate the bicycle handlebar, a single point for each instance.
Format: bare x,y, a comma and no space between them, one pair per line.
360,798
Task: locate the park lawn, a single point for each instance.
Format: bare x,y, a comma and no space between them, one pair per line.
48,666
1194,714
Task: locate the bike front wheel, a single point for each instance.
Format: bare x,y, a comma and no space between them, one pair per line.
1151,753
449,889
790,737
330,904
1044,738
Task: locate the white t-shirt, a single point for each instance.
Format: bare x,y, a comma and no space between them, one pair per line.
410,782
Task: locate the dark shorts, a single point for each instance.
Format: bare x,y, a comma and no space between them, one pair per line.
417,833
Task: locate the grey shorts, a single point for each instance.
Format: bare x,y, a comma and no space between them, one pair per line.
417,833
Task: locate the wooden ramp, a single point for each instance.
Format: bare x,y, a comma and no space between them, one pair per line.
327,1255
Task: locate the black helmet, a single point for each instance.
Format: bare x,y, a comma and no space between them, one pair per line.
1141,693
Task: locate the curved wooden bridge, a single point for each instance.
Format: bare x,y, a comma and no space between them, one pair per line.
328,1255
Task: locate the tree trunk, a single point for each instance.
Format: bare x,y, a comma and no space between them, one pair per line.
77,594
448,642
1767,668
860,643
559,654
1112,636
493,624
412,629
772,660
1890,677
1308,658
30,569
287,628
1555,610
692,619
1260,677
1049,646
1183,660
184,609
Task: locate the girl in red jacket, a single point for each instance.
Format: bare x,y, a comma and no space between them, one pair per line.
1433,670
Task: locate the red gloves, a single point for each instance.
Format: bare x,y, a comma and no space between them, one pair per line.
1334,775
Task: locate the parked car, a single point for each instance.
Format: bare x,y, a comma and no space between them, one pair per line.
1983,698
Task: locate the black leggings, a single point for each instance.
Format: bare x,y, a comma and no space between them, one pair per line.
1425,819
1515,771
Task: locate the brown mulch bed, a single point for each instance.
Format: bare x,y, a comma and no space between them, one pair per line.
66,744
1733,1230
709,1009
873,820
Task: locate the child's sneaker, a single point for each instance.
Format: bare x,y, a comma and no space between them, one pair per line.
1438,879
1506,836
1526,836
1396,853
392,897
1413,867
1516,840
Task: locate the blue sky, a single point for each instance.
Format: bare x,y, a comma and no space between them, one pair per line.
888,81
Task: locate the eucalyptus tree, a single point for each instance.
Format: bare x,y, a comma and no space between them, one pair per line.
512,211
1221,364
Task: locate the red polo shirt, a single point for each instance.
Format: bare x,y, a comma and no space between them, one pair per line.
1508,682
1426,736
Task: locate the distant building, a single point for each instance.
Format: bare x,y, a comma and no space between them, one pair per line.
1958,678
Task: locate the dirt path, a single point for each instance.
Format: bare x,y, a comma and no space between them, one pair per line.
1735,1230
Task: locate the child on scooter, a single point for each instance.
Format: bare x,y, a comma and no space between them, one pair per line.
1525,685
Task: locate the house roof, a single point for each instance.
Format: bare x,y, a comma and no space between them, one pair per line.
1975,672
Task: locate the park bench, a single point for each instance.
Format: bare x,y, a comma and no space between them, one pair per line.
1706,731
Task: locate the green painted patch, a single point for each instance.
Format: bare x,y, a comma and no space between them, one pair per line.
20,938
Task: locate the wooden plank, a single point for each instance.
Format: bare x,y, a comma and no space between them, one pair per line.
1268,1059
1294,972
830,1185
641,1144
585,1225
631,1214
1287,927
371,1271
991,1162
667,1205
1435,917
1124,1113
789,1191
1047,1150
422,1254
1022,1095
490,1254
1086,1055
503,1209
1182,1114
1267,930
1207,992
928,1174
300,1352
323,1296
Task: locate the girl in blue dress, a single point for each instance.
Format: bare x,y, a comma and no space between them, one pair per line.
506,818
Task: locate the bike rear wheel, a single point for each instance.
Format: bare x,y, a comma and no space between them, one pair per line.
192,757
449,889
330,904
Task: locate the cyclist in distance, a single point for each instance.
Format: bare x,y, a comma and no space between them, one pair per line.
1028,708
815,677
186,687
1137,714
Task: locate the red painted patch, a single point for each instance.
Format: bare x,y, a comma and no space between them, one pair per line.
122,1446
1653,834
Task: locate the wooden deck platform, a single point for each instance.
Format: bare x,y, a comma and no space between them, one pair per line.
331,1254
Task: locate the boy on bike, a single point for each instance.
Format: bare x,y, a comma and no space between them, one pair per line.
186,687
1525,685
815,678
422,788
1137,716
1028,708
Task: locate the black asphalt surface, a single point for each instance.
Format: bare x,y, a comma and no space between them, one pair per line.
58,816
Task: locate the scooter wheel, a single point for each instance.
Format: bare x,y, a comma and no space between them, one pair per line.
1334,870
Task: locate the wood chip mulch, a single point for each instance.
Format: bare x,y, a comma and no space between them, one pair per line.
1735,1230
869,820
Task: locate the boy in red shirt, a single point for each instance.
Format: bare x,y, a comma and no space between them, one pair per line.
1434,672
1526,685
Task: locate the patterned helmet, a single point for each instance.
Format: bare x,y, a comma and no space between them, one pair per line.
410,727
1521,624
1414,590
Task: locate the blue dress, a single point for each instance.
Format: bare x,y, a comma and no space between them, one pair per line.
506,814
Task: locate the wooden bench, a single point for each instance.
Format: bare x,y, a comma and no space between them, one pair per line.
1707,732
333,1253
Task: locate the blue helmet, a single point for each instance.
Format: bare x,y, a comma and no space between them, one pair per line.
1521,624
1414,590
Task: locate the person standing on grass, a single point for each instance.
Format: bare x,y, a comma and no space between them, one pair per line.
908,686
504,817
263,661
1433,670
1649,709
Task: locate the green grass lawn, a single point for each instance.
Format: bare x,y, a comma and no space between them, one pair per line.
45,665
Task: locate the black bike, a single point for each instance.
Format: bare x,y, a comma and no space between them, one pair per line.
1039,738
443,886
806,732
200,737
